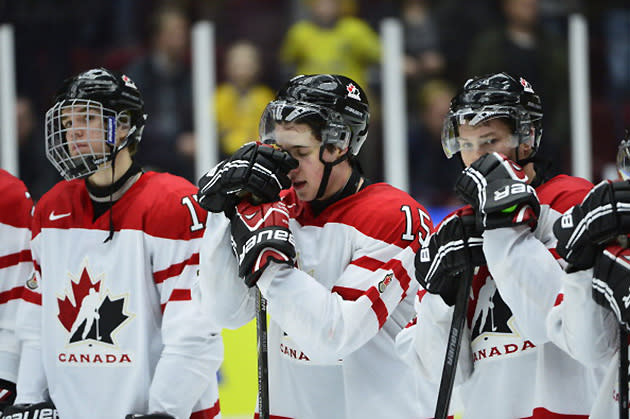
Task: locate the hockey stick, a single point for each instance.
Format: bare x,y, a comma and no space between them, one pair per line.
454,338
263,373
623,372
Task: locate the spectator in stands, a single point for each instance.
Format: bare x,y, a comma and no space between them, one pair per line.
329,42
521,46
431,178
241,99
35,171
422,45
164,75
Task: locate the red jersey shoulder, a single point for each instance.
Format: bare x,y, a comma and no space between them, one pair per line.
59,204
562,192
16,203
383,212
170,205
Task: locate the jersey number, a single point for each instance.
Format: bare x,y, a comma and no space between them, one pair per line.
409,234
196,224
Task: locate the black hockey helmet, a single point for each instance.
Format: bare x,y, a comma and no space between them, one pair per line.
338,101
97,93
495,96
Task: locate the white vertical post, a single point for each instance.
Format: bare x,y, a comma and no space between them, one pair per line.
394,105
580,97
8,129
203,87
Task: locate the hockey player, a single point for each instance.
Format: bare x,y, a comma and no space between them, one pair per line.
125,244
592,236
333,257
15,268
508,368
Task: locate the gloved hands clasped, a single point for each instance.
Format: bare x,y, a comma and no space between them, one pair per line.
257,169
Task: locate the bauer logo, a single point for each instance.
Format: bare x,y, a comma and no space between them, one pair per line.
88,312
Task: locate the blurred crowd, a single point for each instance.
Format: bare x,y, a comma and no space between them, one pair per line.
261,42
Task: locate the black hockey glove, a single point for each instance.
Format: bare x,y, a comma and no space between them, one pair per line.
496,188
441,263
43,410
586,228
611,281
258,169
260,234
7,394
152,416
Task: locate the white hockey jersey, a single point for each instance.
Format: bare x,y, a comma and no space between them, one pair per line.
508,368
15,266
590,333
334,318
117,331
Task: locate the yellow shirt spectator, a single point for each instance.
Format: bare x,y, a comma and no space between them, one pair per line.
238,114
347,48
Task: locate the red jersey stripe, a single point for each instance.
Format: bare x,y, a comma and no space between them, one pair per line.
207,413
178,295
542,413
175,269
555,254
20,292
395,265
15,258
353,294
37,267
559,299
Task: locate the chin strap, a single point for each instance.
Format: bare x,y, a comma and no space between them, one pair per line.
111,199
328,166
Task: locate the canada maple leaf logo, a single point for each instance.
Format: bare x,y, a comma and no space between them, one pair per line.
87,312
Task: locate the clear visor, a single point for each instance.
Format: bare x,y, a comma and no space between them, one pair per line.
80,136
453,142
623,160
334,130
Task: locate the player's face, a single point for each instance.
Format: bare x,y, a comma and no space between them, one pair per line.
299,141
84,130
490,136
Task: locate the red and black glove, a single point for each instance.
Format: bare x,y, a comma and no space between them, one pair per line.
441,263
258,169
260,234
7,394
585,229
611,281
497,189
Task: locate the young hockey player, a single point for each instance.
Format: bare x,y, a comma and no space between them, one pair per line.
333,257
593,238
508,368
15,268
116,251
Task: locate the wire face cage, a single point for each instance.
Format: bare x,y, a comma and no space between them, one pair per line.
80,136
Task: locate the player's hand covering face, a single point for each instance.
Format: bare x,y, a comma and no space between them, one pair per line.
256,170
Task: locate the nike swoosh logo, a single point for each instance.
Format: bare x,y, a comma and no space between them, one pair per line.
54,216
250,216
